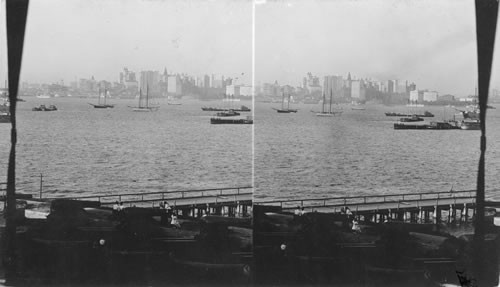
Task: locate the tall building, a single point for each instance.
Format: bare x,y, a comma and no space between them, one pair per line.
358,90
174,85
128,78
390,86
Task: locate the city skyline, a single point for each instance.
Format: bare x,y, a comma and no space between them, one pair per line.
99,38
430,43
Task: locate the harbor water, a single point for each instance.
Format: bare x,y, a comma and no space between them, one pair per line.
300,155
83,151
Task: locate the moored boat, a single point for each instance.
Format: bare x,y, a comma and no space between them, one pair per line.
470,125
247,121
425,114
103,105
43,108
446,125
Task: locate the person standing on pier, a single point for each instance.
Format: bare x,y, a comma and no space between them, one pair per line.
174,221
116,207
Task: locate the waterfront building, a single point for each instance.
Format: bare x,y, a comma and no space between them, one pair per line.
430,96
446,98
416,95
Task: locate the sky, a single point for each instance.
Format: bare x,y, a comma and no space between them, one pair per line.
68,39
429,42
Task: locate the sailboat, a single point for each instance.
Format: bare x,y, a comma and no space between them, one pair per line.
330,112
144,107
103,105
287,110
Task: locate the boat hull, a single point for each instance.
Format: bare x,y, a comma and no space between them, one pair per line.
148,109
231,121
102,106
282,111
327,114
470,125
431,126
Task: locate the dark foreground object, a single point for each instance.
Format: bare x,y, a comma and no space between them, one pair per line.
323,249
82,243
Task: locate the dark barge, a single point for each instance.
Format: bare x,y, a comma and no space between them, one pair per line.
431,126
247,121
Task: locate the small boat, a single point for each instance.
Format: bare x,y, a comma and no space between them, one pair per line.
144,103
103,105
43,96
247,121
286,110
174,103
43,108
470,125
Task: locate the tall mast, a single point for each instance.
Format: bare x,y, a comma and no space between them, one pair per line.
288,107
147,96
105,93
140,97
282,100
323,103
331,101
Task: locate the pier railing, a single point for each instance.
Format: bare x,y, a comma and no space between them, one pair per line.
172,196
402,200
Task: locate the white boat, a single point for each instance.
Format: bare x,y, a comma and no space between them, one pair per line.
144,105
43,96
330,112
470,125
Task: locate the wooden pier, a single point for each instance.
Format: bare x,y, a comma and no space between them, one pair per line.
409,207
235,202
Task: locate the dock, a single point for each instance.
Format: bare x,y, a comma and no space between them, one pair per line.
230,201
411,207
